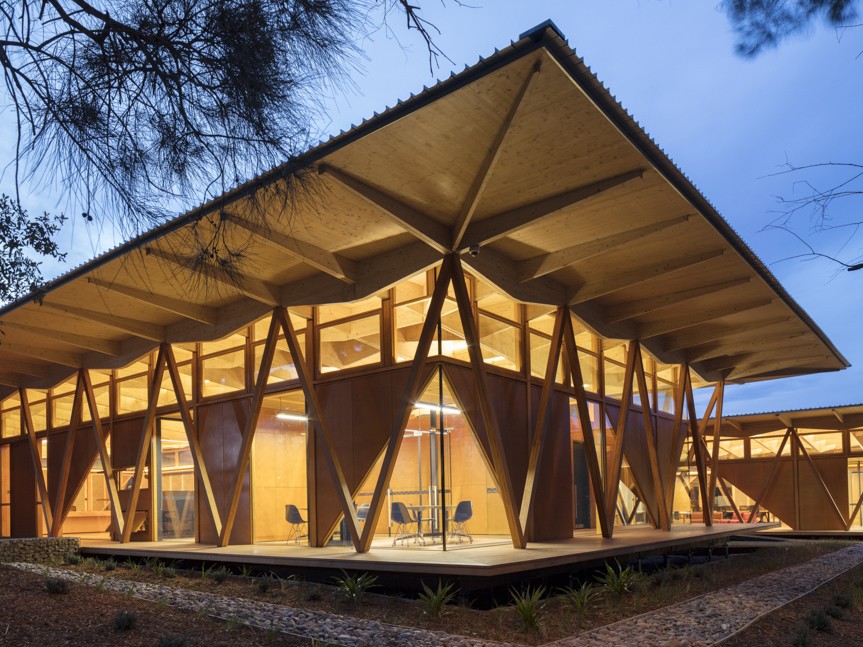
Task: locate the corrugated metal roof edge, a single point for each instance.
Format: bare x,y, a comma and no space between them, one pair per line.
545,35
624,121
837,407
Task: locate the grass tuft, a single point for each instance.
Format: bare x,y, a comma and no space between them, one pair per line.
56,586
125,621
434,600
528,606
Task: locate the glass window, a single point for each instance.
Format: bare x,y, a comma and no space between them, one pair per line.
132,394
731,448
223,373
589,370
11,421
408,324
767,445
453,343
237,340
821,443
415,287
338,311
135,368
283,367
614,373
492,302
61,410
500,343
539,348
166,389
102,394
262,326
39,414
352,343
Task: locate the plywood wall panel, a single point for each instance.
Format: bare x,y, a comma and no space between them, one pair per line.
22,492
553,506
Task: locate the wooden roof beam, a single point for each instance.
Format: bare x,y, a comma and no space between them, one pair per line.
38,352
22,368
328,262
838,416
104,346
253,288
501,271
647,305
470,203
770,369
202,314
543,264
506,223
594,289
739,344
732,361
133,327
681,322
419,224
707,334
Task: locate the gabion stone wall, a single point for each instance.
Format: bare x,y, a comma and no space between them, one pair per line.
38,549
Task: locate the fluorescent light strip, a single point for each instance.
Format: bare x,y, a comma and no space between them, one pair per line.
435,407
284,415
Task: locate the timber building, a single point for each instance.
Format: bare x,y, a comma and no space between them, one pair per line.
476,319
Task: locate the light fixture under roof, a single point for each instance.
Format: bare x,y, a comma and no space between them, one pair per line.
435,407
284,415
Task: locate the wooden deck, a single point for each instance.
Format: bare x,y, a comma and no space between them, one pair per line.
487,559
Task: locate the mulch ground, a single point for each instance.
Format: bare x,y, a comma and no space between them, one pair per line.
29,615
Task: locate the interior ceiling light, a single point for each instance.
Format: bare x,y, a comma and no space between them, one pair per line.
435,407
284,415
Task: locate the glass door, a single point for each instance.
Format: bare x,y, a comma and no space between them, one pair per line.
174,482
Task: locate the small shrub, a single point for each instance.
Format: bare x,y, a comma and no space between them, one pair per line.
109,564
172,641
528,606
314,596
833,611
132,565
246,570
75,559
818,620
581,598
618,580
125,621
169,572
802,635
843,600
434,600
220,574
56,586
266,583
354,587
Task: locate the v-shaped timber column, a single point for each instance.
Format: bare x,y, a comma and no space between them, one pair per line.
413,388
165,360
59,509
563,335
495,440
280,321
37,458
697,445
84,389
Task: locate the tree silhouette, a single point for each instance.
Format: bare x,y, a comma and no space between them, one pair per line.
145,107
761,24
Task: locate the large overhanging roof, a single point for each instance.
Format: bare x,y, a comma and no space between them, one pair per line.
524,157
848,416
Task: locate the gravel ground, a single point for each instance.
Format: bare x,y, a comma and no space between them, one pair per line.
701,621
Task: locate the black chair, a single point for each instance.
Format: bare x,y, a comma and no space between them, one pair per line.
299,527
458,522
363,512
407,526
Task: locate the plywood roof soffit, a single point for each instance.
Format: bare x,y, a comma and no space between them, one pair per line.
739,344
132,327
419,224
321,259
246,285
503,224
594,289
543,264
642,307
707,334
485,170
201,314
104,346
683,321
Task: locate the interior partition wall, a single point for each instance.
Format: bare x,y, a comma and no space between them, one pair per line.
440,394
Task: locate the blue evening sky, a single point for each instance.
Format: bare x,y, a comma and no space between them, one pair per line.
726,121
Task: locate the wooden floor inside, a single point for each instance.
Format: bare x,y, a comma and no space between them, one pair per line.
483,558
